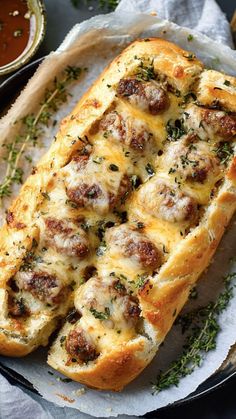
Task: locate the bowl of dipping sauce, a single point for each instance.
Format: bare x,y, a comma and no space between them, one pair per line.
22,29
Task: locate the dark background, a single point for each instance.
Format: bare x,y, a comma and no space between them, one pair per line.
61,16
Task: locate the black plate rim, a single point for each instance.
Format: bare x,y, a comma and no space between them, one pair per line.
21,72
11,82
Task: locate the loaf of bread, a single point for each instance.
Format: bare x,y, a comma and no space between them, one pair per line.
121,216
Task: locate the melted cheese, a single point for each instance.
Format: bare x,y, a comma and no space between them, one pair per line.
158,208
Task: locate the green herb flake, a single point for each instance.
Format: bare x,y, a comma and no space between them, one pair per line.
175,129
190,56
119,286
101,315
202,327
98,160
135,181
141,279
145,72
190,37
113,167
227,83
45,195
149,169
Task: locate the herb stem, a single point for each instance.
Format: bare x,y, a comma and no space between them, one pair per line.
204,329
15,154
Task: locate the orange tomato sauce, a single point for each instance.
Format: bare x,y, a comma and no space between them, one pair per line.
14,29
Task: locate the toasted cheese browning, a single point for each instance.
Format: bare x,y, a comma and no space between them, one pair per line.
133,199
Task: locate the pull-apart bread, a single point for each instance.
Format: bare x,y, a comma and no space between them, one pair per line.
121,216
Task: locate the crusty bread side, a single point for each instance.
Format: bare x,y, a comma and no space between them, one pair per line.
144,266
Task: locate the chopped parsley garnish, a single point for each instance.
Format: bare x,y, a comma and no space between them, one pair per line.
190,56
140,225
175,129
98,160
145,72
71,203
227,83
101,315
185,161
141,279
135,181
114,167
149,169
190,37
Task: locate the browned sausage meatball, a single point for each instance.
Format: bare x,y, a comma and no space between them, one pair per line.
224,125
194,162
167,203
210,124
98,196
84,195
109,301
147,96
113,124
99,187
80,346
66,237
132,310
47,288
134,245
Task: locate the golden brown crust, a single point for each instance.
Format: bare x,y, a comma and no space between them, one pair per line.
118,332
113,371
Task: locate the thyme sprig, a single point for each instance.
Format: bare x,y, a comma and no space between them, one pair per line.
33,128
203,327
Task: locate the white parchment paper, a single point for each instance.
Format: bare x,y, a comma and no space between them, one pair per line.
93,44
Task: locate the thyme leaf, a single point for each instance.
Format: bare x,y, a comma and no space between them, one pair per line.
145,72
203,328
